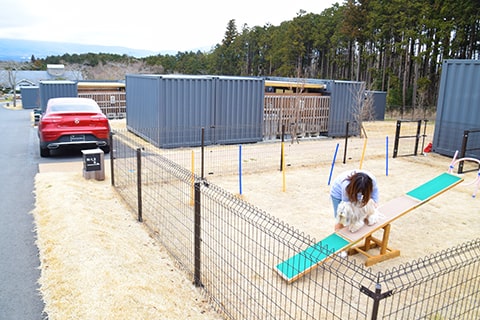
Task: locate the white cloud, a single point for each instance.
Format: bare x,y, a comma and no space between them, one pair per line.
143,24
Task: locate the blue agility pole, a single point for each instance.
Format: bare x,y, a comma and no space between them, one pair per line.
386,156
333,164
240,168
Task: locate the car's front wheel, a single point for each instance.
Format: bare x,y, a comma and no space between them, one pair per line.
44,152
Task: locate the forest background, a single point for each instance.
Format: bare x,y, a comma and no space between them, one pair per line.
396,46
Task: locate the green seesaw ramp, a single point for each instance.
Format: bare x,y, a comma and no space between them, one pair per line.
434,187
308,259
303,262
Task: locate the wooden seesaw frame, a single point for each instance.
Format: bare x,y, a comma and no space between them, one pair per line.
343,240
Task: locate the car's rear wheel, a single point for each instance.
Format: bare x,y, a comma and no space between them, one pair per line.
44,152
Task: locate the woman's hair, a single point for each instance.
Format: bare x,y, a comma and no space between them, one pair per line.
360,188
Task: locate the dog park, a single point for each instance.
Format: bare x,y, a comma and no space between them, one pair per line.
217,206
260,204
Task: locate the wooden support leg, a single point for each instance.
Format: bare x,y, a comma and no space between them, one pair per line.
372,243
368,243
386,236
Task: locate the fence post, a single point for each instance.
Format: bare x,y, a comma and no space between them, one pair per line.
376,296
397,138
417,138
112,171
197,238
463,151
425,122
139,184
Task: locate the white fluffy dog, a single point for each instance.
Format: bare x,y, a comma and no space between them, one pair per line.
354,216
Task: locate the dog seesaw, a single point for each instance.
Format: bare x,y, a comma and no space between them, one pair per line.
343,240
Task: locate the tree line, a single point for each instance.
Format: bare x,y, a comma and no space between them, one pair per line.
396,46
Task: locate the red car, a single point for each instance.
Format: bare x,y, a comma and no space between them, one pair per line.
76,122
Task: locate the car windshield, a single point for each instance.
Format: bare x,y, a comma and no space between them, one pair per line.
73,108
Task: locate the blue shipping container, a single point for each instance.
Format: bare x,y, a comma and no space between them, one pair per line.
56,89
30,97
171,110
458,108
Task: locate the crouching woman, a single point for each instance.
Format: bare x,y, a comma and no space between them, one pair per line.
355,186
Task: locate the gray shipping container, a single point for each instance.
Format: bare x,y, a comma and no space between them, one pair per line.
379,104
458,108
30,97
170,110
56,89
238,112
346,99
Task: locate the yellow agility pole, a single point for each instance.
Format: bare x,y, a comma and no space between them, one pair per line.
363,152
283,167
192,188
364,145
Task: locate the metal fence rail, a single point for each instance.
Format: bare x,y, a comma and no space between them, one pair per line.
442,286
241,244
469,149
264,156
229,247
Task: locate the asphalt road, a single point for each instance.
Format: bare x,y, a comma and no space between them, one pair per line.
20,298
19,263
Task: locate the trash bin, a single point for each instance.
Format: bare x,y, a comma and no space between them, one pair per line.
93,164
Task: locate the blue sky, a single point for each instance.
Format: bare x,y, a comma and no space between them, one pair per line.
143,24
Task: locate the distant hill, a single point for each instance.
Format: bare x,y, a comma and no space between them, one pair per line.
22,50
